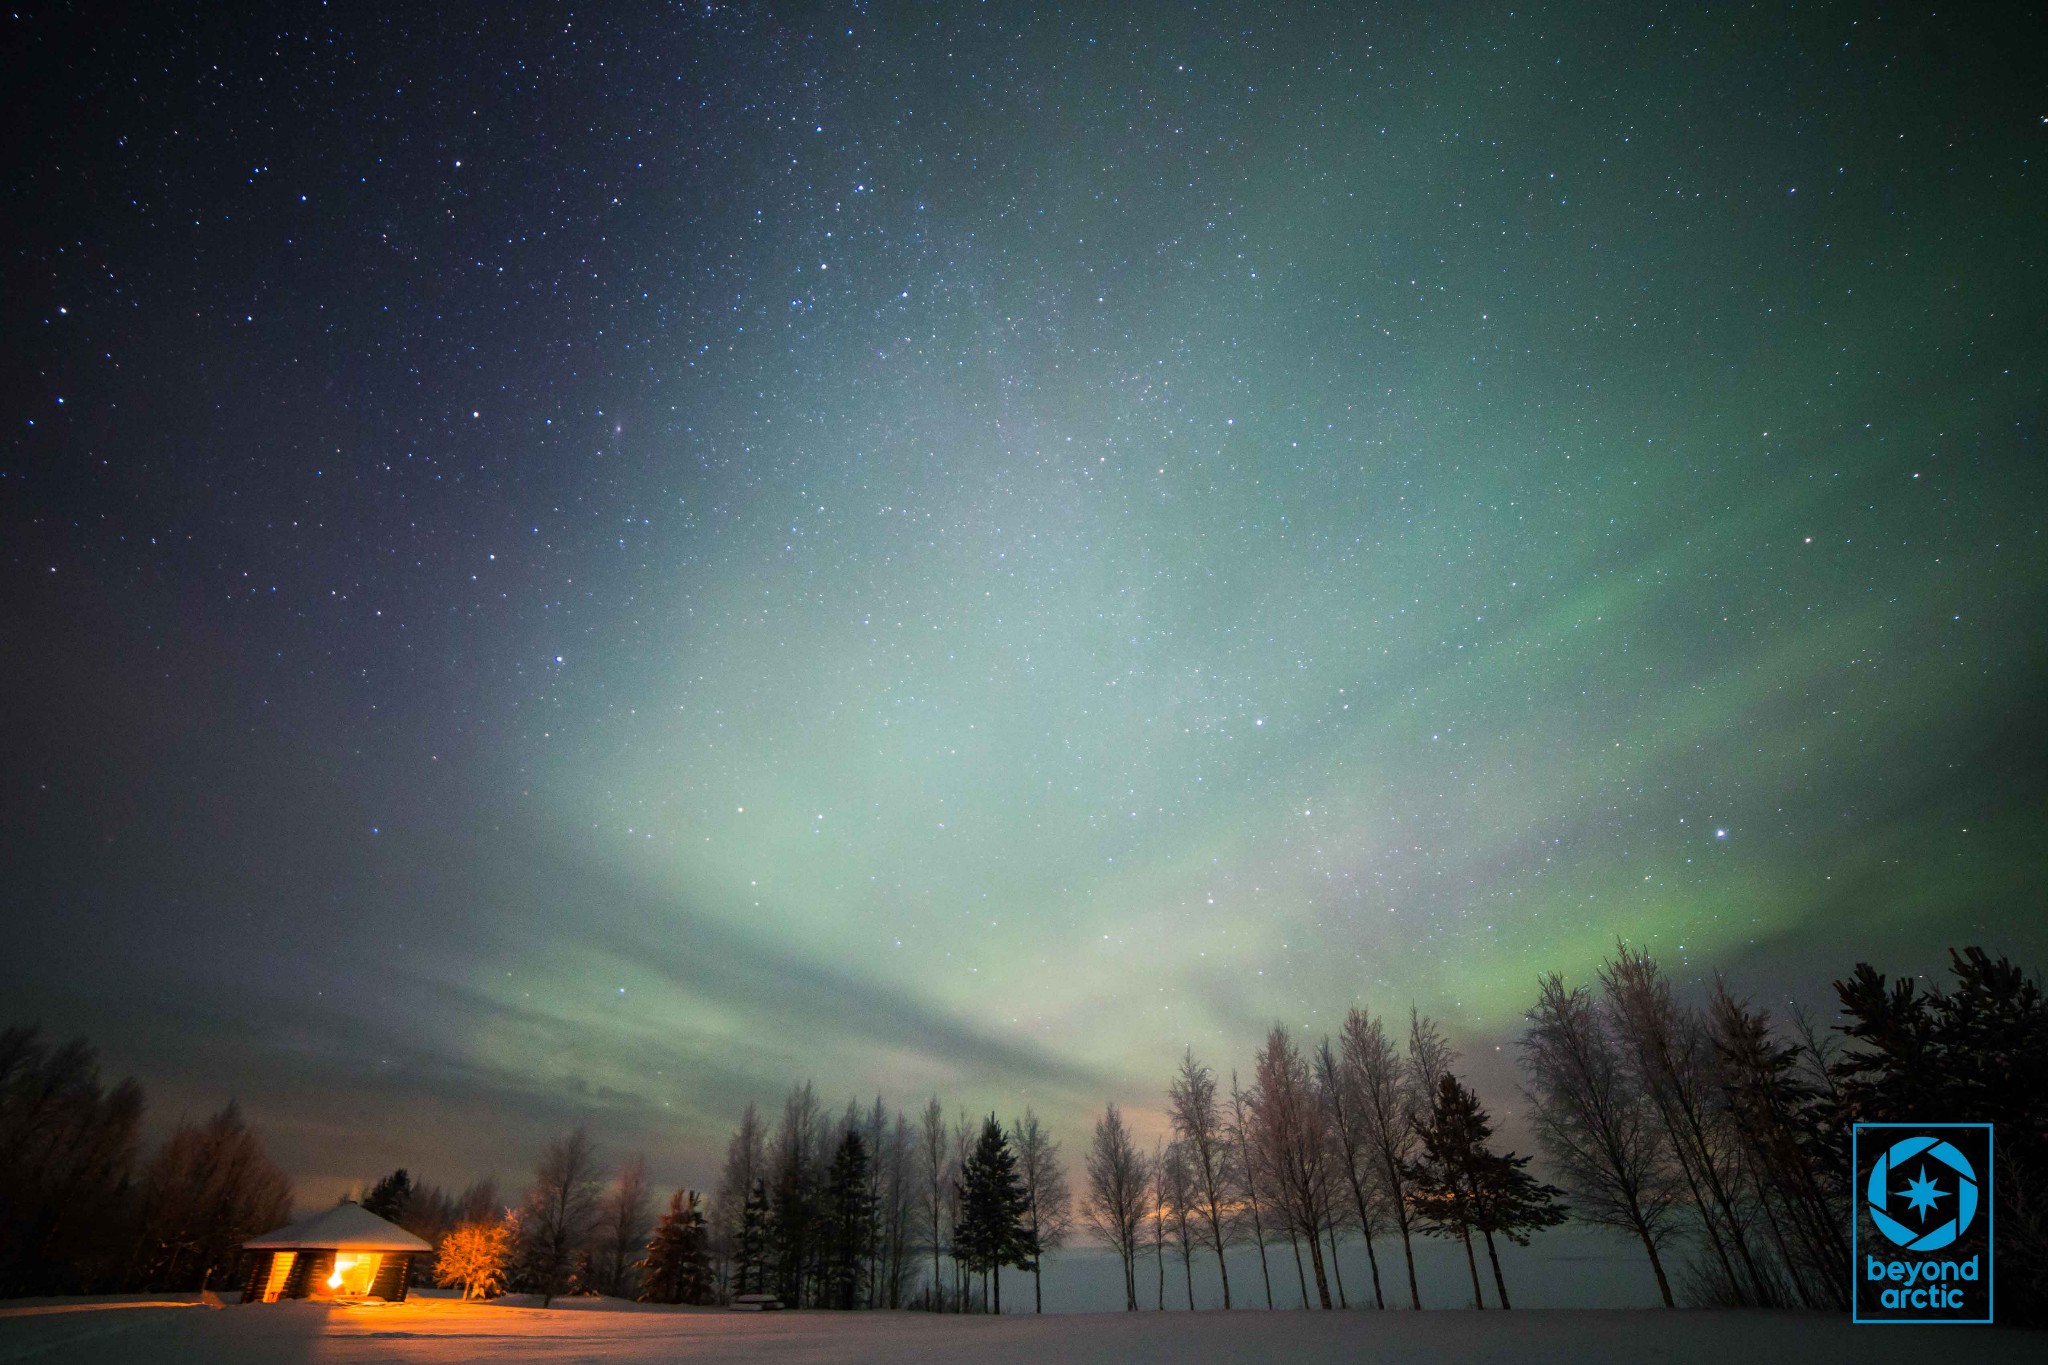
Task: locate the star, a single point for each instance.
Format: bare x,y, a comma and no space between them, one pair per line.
1922,1193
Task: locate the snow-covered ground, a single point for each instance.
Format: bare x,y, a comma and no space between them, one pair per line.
441,1331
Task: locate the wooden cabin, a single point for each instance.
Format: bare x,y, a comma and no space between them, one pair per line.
345,1253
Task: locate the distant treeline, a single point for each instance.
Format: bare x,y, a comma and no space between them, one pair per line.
1714,1136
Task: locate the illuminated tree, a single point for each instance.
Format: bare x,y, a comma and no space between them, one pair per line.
476,1257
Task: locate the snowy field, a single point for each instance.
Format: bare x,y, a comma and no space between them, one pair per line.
442,1331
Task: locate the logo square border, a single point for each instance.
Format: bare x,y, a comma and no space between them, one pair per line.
1856,1228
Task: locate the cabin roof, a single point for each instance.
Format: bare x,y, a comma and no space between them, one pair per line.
345,1227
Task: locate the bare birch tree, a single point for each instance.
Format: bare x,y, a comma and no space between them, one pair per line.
1247,1173
1669,1055
1598,1129
1115,1204
1048,1208
1349,1147
561,1210
1379,1081
1199,1124
624,1220
1293,1138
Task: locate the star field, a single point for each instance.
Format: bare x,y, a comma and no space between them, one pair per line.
592,565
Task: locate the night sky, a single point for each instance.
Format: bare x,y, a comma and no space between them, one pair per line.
567,565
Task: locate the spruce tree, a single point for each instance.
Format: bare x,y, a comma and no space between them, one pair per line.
750,1254
993,1230
848,1218
661,1268
1462,1186
389,1197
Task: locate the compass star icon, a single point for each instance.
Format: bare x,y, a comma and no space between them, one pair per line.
1922,1193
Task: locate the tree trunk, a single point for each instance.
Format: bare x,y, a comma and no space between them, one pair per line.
1657,1265
1401,1221
1315,1256
1187,1269
1336,1269
1299,1273
1259,1236
999,1288
1498,1282
1473,1266
1216,1234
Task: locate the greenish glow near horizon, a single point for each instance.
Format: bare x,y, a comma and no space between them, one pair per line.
1126,706
1106,610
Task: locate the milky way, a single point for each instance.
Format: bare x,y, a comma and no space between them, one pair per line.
589,566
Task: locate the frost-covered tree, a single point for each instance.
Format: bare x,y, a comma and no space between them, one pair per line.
1597,1127
476,1257
1199,1126
1247,1169
1379,1080
1114,1208
1293,1141
1350,1154
622,1229
1048,1201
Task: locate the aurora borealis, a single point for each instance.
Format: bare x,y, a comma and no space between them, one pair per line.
570,567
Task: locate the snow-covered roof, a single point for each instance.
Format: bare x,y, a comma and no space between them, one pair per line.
345,1227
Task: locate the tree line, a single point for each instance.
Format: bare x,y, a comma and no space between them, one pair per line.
83,1211
1712,1134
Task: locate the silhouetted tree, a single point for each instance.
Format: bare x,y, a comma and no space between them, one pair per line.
846,1223
746,1165
67,1150
560,1214
751,1246
992,1231
1670,1059
1599,1130
932,1151
795,1166
390,1197
1773,1091
209,1188
676,1264
1461,1186
1977,1053
622,1229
